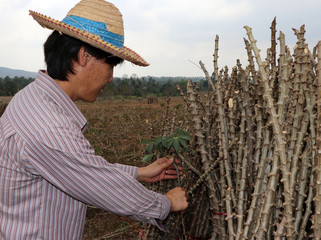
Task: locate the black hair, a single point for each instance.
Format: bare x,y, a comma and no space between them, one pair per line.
61,50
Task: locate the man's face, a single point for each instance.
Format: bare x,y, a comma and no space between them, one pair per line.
95,77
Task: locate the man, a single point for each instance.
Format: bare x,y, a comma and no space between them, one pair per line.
48,170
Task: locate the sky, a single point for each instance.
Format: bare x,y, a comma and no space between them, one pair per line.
172,35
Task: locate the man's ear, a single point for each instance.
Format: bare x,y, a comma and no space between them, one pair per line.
83,57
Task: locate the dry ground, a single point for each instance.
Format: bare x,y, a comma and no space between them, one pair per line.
116,130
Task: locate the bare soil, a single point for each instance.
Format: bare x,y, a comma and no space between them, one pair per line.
116,130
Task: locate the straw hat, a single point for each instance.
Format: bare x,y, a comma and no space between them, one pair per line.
96,22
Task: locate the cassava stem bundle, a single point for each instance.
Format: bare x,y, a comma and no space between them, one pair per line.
257,166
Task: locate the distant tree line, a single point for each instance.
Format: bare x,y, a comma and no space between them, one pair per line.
146,86
10,86
133,86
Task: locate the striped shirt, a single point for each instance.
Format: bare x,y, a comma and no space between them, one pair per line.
49,171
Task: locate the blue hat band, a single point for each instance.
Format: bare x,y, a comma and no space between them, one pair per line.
97,28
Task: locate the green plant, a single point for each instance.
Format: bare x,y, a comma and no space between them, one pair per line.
164,146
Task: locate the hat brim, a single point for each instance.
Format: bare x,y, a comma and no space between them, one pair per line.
92,39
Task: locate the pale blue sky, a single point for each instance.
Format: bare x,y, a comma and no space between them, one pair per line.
167,33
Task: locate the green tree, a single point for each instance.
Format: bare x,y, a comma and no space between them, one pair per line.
183,84
124,88
11,87
169,88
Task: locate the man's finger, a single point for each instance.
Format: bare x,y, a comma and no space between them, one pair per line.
172,172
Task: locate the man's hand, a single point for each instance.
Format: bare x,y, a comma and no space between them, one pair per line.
162,168
178,199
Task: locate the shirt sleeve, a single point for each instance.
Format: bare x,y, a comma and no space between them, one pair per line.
65,158
131,170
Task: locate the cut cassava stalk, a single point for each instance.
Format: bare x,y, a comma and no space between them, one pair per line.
185,121
317,167
240,152
284,81
279,137
272,60
230,199
308,211
207,126
258,184
232,112
215,59
224,140
209,80
306,171
200,141
269,198
247,105
311,98
165,128
203,176
300,76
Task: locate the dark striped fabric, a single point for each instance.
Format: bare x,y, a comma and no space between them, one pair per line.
49,171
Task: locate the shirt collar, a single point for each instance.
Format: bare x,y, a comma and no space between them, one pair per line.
52,89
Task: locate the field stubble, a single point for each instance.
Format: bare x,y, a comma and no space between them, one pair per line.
116,128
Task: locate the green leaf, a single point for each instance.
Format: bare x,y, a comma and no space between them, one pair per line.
149,148
146,141
158,141
169,143
166,139
184,135
148,157
183,142
176,145
181,134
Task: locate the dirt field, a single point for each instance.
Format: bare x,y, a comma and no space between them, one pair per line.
116,130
